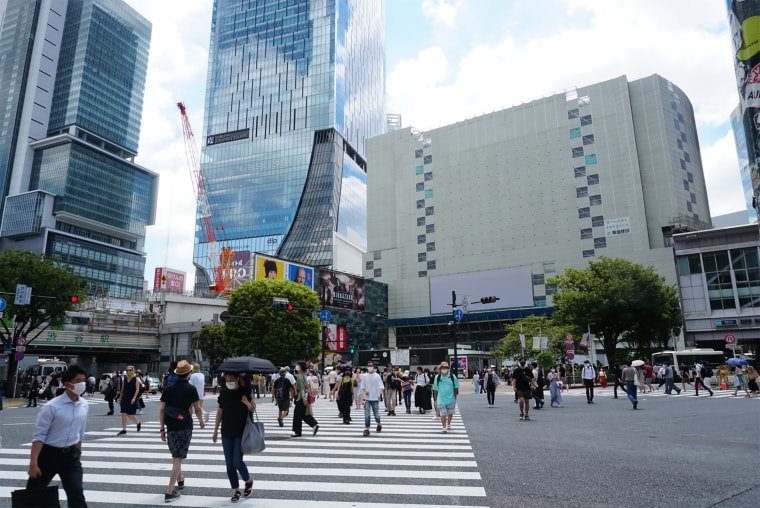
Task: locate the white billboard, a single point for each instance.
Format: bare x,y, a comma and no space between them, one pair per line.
513,286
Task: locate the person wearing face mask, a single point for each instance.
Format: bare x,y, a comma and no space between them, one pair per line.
128,400
491,382
235,402
446,390
57,440
302,411
523,383
371,387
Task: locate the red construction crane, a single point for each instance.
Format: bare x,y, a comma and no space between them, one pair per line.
220,265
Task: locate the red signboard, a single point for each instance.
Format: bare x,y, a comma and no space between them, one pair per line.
171,281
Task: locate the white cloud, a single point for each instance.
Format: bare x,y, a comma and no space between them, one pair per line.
722,177
440,11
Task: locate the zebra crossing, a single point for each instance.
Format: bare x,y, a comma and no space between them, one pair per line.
410,464
602,392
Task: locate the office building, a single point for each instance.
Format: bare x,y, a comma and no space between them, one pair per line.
740,139
294,91
72,77
498,204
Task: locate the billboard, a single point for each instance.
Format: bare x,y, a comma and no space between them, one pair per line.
341,290
744,26
174,283
271,268
336,338
513,286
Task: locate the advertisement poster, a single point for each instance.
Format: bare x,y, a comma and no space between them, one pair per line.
241,269
336,338
277,269
341,290
174,283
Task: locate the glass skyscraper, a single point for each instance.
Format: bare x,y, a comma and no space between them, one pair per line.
294,90
72,73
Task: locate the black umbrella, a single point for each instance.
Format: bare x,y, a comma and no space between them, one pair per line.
247,364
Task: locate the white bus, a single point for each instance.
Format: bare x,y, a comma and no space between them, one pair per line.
689,356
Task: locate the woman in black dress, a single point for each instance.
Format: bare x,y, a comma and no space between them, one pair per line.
128,400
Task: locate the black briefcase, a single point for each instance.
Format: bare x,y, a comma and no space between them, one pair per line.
38,498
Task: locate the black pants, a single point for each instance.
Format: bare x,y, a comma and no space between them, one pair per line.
621,385
110,404
32,397
589,384
300,416
63,462
491,394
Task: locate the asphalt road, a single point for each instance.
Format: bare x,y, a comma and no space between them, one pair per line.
674,451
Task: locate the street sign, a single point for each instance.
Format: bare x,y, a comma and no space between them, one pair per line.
19,356
3,303
21,349
466,304
569,336
458,314
21,341
224,316
570,346
325,315
570,356
325,323
2,357
20,297
730,339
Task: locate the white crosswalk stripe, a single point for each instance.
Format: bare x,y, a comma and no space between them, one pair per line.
720,394
409,464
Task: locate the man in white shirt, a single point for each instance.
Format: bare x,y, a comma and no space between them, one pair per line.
198,380
588,374
332,378
371,386
699,379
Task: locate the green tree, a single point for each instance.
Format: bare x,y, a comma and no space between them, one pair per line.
210,339
279,336
510,347
47,278
621,299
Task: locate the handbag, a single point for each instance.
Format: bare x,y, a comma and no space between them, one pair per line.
37,498
253,435
636,380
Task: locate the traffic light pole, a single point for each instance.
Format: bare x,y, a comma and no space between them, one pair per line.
454,306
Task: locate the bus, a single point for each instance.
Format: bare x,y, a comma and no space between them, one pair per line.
689,356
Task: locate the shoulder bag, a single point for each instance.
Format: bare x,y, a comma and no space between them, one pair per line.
253,435
636,380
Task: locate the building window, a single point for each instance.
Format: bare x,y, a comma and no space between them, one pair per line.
585,120
428,176
575,133
597,221
578,152
588,139
420,187
592,180
378,272
600,243
690,176
417,154
680,117
685,185
378,255
429,193
430,210
717,266
430,247
550,289
689,207
430,228
539,301
595,200
431,265
588,253
538,279
683,137
686,157
421,239
581,171
683,164
573,113
581,192
422,273
587,234
584,213
421,257
428,159
590,159
426,143
676,124
420,203
689,265
420,221
679,143
370,265
584,101
693,197
550,267
419,170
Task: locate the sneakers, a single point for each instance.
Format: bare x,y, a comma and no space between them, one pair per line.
379,427
522,415
279,422
121,433
636,405
171,497
436,418
444,431
526,417
366,432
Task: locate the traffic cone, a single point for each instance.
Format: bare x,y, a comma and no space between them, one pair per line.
723,382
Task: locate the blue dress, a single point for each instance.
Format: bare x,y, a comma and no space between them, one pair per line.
130,388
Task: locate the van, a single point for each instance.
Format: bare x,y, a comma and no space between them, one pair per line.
45,367
104,380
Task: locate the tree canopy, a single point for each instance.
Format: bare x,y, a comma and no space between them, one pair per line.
621,299
510,346
278,336
212,342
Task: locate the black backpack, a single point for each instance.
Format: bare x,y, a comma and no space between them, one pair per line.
706,372
280,391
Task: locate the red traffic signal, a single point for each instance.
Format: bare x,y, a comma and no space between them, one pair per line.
488,299
67,298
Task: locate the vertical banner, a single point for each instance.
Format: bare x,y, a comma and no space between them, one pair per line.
744,25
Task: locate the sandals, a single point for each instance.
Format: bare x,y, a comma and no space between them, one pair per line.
248,488
235,497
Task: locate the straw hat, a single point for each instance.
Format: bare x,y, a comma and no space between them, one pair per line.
183,368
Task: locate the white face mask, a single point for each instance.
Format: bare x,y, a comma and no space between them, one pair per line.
79,388
444,371
298,369
489,370
370,369
231,386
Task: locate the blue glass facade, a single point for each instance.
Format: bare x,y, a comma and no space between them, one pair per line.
100,84
280,72
23,214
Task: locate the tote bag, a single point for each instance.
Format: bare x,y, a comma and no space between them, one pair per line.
41,498
253,435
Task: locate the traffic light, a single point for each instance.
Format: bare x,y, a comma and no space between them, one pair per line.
351,349
67,298
488,299
477,346
281,304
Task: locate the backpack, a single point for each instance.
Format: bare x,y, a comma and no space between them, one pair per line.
706,372
280,392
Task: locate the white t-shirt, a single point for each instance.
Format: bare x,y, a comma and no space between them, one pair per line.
421,379
588,372
197,379
332,377
373,386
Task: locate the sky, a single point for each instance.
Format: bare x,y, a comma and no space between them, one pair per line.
448,60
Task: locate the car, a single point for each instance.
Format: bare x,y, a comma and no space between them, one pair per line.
155,384
104,380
